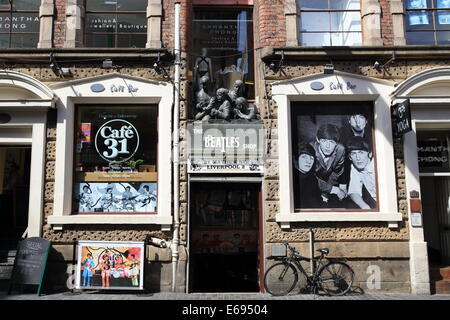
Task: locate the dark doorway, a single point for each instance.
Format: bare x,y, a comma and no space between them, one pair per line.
224,237
15,163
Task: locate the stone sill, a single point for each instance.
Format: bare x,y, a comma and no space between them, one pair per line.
355,52
57,222
391,218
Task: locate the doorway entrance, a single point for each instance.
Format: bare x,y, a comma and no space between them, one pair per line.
15,163
434,168
224,237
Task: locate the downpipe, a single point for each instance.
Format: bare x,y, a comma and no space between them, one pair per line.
176,154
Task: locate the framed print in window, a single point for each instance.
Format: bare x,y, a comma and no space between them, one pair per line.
333,167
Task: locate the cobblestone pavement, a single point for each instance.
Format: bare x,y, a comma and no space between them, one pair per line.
96,295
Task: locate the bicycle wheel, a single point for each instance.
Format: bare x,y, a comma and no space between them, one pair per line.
336,278
280,279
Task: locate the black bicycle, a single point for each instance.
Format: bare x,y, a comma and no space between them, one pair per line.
332,276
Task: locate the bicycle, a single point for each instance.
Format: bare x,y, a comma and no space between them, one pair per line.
334,277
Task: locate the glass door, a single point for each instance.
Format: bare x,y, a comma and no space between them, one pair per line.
14,193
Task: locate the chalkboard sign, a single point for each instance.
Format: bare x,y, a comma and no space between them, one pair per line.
30,262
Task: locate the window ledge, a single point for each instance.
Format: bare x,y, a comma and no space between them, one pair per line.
58,221
391,218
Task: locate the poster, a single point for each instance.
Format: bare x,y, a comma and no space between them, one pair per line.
333,164
115,197
110,265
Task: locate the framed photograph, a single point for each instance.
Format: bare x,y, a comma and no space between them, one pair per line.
115,197
110,265
334,167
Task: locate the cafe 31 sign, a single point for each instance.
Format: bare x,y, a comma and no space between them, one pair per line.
117,140
225,147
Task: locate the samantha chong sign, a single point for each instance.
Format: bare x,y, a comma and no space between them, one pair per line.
225,147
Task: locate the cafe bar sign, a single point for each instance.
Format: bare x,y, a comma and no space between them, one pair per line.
225,147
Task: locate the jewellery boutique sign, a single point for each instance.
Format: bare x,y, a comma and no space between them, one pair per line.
225,147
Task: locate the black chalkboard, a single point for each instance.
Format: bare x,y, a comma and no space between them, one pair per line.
30,262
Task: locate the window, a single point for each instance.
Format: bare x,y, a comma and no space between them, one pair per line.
333,157
223,48
19,23
330,22
427,22
116,24
115,159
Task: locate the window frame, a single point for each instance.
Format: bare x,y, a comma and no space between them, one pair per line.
12,11
80,91
75,181
285,92
328,32
433,13
115,33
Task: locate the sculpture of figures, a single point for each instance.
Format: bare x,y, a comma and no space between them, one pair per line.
202,67
202,97
237,91
219,107
243,110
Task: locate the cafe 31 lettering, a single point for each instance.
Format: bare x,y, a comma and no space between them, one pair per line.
117,140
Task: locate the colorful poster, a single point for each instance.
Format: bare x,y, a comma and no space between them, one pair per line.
85,133
110,265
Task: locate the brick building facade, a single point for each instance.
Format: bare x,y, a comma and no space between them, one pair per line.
388,251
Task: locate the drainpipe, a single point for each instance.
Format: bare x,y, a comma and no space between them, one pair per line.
176,153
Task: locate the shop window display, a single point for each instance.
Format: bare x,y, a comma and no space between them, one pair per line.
333,156
19,23
116,24
223,64
115,159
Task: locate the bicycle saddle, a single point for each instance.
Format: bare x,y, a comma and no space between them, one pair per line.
324,250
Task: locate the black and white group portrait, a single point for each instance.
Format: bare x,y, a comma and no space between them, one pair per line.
115,197
333,162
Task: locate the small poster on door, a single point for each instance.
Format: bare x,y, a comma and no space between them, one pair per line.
110,265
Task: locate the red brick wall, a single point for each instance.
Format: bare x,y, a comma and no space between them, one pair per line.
271,27
59,24
386,23
168,23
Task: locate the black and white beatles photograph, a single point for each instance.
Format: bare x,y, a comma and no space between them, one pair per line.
333,163
115,197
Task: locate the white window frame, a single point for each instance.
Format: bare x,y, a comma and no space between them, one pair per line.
79,92
367,89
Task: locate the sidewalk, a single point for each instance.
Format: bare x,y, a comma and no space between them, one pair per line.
101,295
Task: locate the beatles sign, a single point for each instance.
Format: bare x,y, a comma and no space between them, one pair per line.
225,147
117,140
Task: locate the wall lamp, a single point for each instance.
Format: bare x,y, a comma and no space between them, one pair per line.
57,70
274,67
328,69
381,67
159,68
